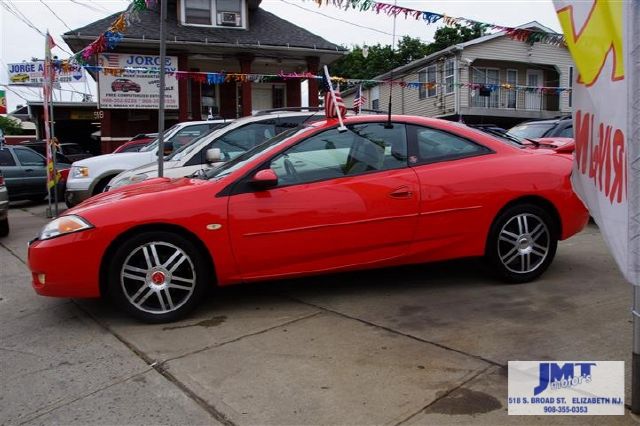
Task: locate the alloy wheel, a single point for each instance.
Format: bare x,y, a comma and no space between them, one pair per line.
158,277
523,243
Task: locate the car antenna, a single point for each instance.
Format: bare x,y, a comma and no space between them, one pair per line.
393,48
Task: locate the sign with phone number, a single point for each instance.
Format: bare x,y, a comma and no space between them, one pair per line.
566,388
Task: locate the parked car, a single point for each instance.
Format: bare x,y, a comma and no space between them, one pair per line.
231,141
69,152
136,143
4,208
90,176
25,173
314,200
125,85
557,127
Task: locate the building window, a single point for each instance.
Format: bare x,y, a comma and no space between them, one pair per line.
449,77
570,87
427,80
375,98
512,94
209,101
278,97
220,13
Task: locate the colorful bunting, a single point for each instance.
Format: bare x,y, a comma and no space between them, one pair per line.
521,34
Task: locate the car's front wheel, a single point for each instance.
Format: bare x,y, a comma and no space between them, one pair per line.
522,243
157,276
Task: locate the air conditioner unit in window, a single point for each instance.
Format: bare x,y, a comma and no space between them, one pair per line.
229,19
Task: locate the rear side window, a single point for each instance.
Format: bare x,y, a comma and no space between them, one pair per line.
435,145
6,159
27,157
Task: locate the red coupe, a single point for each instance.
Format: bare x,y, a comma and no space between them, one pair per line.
313,200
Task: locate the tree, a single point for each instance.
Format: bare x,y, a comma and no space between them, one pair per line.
9,126
382,59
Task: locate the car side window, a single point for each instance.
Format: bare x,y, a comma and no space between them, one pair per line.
567,132
286,123
333,154
6,159
186,135
27,157
436,145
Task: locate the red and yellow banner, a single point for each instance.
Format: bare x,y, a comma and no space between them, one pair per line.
602,37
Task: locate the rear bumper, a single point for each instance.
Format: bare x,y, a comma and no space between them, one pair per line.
67,266
574,215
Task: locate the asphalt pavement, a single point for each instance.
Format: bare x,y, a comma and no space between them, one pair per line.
402,346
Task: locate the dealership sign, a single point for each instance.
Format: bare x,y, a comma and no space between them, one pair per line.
606,173
32,74
131,82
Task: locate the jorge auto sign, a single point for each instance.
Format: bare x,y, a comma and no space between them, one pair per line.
128,84
32,74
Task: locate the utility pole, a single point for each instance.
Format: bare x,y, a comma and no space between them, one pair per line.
163,54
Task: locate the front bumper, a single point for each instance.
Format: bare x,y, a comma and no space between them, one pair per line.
66,266
74,197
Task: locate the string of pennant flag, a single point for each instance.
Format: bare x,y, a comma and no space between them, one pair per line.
216,78
522,34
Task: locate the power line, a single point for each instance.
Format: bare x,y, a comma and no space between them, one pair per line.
95,9
337,19
56,15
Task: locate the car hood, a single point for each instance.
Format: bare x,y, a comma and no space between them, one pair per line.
88,162
152,189
150,169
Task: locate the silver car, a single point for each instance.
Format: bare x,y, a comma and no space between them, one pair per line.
4,208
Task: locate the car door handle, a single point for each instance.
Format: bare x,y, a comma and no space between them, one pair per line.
28,170
401,192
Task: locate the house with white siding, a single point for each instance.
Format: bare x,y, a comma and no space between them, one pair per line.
476,81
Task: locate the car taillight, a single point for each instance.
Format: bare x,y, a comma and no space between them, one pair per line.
1,181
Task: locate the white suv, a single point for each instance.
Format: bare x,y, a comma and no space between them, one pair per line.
232,140
90,176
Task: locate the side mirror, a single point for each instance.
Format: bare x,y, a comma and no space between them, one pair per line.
214,155
264,179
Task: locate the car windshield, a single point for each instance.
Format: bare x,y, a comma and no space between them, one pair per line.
181,152
238,162
531,130
154,144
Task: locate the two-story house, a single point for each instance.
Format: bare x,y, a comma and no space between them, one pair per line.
233,36
491,79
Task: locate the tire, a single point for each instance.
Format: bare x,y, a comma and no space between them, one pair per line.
100,186
522,243
152,292
4,227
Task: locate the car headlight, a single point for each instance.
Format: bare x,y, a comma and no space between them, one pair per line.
63,225
129,180
79,172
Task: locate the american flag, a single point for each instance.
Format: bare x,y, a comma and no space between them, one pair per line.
112,60
330,105
359,100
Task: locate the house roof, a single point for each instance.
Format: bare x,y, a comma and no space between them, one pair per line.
456,47
264,30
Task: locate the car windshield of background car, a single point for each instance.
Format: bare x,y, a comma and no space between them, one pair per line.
531,130
181,152
265,147
153,145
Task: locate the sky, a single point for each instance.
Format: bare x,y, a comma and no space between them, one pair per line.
19,41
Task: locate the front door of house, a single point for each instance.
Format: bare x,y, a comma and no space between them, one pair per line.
533,98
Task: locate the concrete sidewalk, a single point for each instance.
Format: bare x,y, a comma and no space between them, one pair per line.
413,345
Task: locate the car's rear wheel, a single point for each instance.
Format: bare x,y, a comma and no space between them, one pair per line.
522,243
4,227
157,276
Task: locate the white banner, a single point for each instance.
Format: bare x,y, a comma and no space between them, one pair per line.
32,74
602,37
135,89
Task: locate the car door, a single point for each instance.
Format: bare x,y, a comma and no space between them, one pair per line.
456,177
33,170
343,200
11,172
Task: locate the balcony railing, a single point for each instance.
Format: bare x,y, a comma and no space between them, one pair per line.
500,98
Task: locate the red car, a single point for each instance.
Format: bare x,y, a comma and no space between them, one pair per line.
315,200
125,85
136,143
